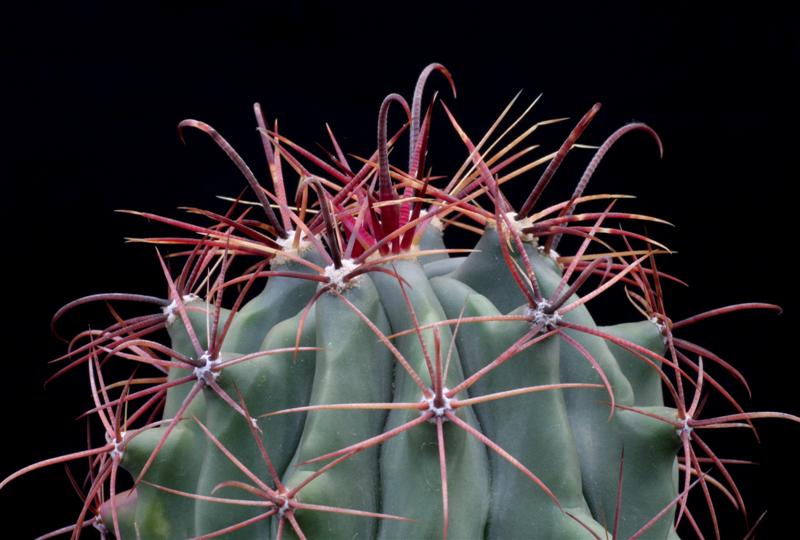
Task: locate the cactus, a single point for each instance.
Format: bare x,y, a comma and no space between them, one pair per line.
382,385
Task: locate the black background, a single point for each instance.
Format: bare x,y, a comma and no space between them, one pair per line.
92,95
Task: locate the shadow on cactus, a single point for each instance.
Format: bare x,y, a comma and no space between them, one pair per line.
382,385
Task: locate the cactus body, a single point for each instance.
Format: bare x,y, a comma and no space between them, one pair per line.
381,386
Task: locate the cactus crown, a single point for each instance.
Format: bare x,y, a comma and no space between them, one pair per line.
382,385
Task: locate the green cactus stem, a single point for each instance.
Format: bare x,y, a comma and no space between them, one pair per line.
382,385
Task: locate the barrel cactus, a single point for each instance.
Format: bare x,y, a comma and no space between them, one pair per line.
383,385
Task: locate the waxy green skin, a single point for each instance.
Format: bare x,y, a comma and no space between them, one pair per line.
553,458
594,428
277,381
281,299
410,462
645,380
126,504
352,366
159,514
650,474
199,313
565,437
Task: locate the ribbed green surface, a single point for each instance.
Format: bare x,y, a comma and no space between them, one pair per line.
564,437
